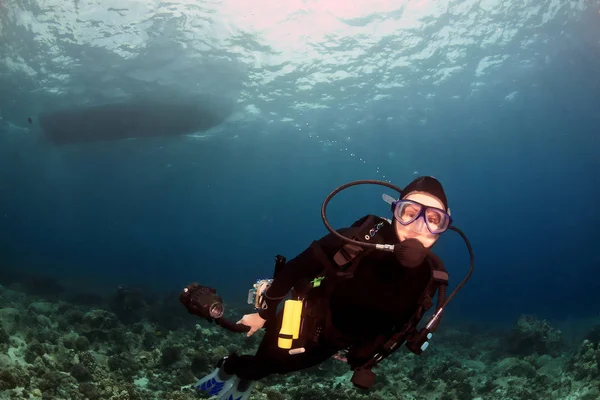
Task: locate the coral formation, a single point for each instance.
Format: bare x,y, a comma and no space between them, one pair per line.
62,350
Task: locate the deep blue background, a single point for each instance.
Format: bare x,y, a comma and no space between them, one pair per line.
522,179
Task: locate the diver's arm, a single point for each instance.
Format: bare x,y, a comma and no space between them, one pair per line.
304,266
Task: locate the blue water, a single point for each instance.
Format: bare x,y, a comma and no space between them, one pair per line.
521,172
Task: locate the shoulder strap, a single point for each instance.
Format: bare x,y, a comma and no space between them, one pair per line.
349,251
347,258
364,231
438,281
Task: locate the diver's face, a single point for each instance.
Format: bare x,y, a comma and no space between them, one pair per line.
418,229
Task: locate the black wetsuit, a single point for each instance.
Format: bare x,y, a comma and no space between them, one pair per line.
382,294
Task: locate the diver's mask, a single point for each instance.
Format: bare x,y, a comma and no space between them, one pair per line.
424,219
421,221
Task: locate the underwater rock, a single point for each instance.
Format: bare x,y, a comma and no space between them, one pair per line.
10,319
200,363
585,364
54,384
4,337
88,360
43,307
90,391
40,333
43,321
125,364
514,367
34,349
73,341
591,394
182,377
149,341
80,372
532,335
170,355
82,343
179,395
128,304
69,340
594,335
11,378
74,316
100,319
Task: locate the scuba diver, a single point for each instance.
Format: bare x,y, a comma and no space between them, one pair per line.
360,291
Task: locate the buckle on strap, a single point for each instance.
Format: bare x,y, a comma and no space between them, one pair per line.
346,254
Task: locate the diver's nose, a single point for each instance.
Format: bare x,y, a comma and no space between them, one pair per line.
419,225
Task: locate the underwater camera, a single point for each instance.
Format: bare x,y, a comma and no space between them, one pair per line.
202,301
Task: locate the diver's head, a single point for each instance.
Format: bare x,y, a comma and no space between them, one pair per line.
422,211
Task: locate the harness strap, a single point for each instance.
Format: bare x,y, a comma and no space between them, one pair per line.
349,251
346,254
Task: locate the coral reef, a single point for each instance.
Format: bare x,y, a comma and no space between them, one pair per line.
585,363
55,349
532,335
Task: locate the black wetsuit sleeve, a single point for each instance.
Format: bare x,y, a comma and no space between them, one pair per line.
303,266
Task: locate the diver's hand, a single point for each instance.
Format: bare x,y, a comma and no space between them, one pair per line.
254,321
